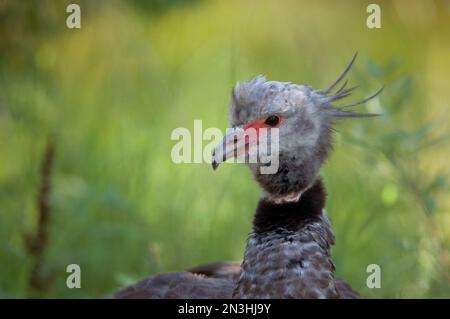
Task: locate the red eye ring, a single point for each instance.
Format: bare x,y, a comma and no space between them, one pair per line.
272,121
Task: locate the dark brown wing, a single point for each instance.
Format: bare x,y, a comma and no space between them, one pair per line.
221,270
345,290
178,285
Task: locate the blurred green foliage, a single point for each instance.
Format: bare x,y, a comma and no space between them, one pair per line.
111,93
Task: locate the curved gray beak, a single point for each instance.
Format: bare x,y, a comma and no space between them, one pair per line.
233,145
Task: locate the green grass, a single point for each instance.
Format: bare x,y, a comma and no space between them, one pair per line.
111,93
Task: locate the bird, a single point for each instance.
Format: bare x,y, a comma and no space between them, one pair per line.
287,255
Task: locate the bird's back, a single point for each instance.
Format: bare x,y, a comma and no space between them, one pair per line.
178,285
210,281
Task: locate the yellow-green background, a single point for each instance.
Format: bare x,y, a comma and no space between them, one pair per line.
111,93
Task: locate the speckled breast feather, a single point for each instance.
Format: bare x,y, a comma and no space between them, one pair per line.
288,252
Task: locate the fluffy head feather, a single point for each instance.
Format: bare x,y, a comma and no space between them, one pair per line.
305,132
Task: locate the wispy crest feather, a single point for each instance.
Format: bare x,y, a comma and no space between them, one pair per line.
341,110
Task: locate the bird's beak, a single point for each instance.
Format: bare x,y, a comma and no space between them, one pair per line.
236,143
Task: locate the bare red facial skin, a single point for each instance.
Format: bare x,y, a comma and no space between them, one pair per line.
256,125
259,124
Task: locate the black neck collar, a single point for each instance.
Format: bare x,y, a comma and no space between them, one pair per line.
291,215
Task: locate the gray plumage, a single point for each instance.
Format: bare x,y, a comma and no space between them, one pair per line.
289,264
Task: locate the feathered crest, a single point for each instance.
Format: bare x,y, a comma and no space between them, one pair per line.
249,91
342,92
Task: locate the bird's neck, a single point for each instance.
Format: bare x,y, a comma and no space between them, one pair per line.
294,176
288,252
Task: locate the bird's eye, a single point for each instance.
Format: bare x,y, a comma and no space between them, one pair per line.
272,120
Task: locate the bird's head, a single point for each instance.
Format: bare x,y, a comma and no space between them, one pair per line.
303,119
